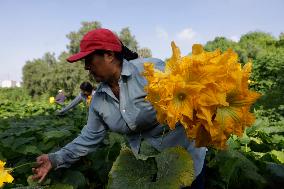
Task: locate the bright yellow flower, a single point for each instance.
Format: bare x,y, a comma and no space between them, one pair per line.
172,65
207,92
51,100
180,104
197,49
5,176
88,100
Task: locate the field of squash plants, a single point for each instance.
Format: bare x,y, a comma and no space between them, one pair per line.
29,127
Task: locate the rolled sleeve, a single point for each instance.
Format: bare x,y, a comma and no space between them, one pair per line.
91,135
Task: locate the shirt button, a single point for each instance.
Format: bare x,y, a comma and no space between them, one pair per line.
123,111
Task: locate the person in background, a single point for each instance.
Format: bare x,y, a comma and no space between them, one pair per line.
60,97
87,91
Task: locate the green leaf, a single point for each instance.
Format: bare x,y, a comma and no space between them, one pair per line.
113,152
236,171
29,149
61,186
128,172
245,139
175,168
115,138
274,129
146,151
2,157
22,141
256,140
55,135
234,142
74,178
279,155
31,182
172,168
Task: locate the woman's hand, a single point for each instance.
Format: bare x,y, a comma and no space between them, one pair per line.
58,113
43,168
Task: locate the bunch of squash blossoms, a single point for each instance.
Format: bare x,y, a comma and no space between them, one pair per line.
207,92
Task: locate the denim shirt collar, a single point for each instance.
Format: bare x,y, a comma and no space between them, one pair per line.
125,72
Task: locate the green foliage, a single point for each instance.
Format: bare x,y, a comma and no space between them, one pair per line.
221,43
128,39
13,94
127,172
76,36
253,161
40,77
254,43
172,168
144,52
33,73
268,78
28,128
235,171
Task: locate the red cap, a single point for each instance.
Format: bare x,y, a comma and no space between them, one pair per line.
98,39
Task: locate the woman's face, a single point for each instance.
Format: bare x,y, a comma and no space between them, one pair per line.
101,67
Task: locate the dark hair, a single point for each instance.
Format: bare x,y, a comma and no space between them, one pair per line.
125,53
86,86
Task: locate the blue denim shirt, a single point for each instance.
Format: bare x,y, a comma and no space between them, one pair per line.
79,98
130,115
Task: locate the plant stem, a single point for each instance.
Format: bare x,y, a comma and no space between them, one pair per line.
23,165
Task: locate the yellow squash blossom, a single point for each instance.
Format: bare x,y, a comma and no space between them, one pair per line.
207,92
5,176
51,100
88,100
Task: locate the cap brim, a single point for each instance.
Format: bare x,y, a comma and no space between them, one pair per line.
78,56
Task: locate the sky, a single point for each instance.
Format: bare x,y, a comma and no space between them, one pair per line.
30,28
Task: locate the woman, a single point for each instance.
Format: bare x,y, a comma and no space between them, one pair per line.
118,105
87,91
60,97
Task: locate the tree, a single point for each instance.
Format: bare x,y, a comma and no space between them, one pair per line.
128,40
249,47
35,73
76,36
257,37
280,43
255,42
221,43
268,78
281,36
49,58
144,52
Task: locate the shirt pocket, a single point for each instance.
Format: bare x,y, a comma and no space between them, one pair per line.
146,116
112,117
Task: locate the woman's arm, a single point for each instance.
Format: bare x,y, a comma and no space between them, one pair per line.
72,104
91,135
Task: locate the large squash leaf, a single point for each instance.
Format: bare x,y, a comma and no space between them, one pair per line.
128,172
172,168
175,168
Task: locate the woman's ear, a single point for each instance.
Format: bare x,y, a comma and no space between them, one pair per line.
109,57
